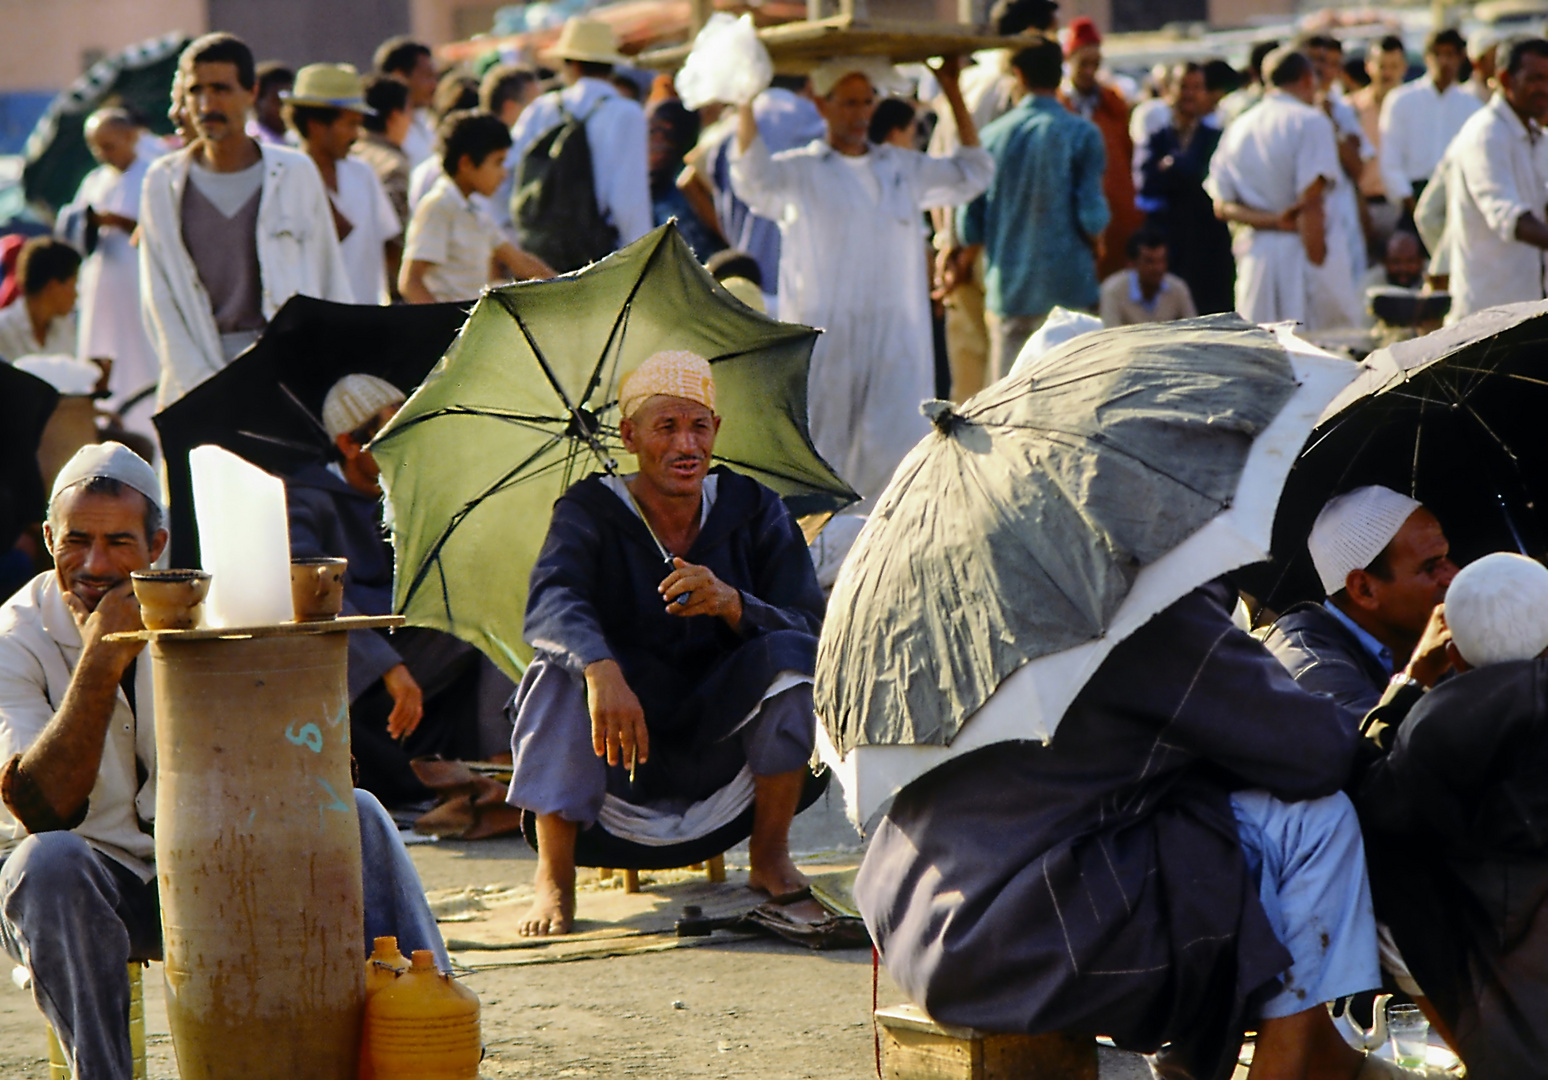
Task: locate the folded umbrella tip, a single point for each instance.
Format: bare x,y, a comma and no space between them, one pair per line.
943,414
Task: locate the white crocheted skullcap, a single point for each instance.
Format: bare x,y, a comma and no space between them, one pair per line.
878,71
1497,609
1352,530
354,399
111,461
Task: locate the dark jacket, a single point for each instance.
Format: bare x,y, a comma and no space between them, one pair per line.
1325,658
593,596
1198,243
1097,884
328,517
1456,823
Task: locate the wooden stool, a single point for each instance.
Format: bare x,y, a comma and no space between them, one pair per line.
59,1068
714,870
914,1047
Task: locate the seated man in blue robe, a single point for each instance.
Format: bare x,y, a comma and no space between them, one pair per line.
1177,866
675,615
1384,563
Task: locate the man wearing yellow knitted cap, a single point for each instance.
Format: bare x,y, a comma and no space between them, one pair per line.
674,613
418,691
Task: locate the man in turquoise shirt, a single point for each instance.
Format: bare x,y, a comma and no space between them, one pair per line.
1040,223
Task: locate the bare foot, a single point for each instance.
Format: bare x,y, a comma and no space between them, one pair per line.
553,909
773,872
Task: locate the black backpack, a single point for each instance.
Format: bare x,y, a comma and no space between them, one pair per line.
554,201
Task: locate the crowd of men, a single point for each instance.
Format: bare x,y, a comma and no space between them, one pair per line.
1188,858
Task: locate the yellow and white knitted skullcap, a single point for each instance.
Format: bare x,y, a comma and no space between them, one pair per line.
354,399
1353,529
674,373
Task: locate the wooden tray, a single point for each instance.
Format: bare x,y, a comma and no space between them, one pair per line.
798,47
290,629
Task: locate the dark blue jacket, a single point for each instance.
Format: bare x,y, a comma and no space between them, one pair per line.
328,517
593,597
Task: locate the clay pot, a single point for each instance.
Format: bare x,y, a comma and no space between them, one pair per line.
258,857
171,599
317,587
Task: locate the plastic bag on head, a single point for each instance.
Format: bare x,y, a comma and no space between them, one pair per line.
727,64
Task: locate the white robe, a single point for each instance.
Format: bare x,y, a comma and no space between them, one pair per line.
856,268
1265,160
110,321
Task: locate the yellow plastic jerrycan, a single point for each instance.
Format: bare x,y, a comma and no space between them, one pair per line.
424,1026
382,968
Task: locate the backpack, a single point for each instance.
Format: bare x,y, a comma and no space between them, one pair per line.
554,200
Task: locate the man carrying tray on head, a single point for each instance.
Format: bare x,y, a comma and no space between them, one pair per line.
675,615
78,894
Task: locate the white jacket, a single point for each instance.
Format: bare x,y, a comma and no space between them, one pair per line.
40,645
298,252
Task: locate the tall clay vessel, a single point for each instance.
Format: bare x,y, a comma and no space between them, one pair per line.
258,856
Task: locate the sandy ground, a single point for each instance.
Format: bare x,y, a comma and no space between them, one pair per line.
741,1008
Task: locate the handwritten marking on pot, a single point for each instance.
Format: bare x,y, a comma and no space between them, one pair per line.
310,736
324,807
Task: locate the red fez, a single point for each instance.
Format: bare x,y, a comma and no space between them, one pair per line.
1080,33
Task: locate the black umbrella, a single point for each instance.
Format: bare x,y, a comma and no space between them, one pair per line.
1454,419
138,79
26,403
264,406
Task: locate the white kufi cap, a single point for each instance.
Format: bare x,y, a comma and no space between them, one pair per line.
354,399
1497,609
1352,530
113,461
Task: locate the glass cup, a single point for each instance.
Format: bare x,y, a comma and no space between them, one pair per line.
1410,1033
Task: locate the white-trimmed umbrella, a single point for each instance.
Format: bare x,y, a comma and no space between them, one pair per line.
1045,521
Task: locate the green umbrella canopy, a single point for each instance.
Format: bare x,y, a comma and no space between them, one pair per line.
1017,528
526,402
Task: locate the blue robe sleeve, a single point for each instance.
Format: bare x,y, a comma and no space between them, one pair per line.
562,618
785,594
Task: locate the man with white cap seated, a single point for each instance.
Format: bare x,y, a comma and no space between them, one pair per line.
674,613
1453,816
850,260
78,896
417,691
1385,565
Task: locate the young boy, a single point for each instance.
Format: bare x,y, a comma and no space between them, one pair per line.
453,250
42,320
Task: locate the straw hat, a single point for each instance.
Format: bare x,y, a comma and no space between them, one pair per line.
591,41
329,86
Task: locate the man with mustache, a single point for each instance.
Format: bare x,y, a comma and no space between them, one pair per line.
675,615
78,895
230,228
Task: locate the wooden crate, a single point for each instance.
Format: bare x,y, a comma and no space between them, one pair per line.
914,1047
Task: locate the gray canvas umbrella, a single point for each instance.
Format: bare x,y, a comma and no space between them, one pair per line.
1049,518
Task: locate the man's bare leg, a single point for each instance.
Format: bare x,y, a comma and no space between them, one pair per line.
553,909
1303,1046
774,805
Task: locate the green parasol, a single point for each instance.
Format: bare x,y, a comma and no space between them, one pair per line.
526,402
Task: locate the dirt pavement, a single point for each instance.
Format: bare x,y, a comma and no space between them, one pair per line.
743,1008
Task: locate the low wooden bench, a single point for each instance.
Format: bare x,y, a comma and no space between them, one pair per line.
915,1047
714,869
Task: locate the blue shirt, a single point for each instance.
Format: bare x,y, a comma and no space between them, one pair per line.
1382,654
1043,205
